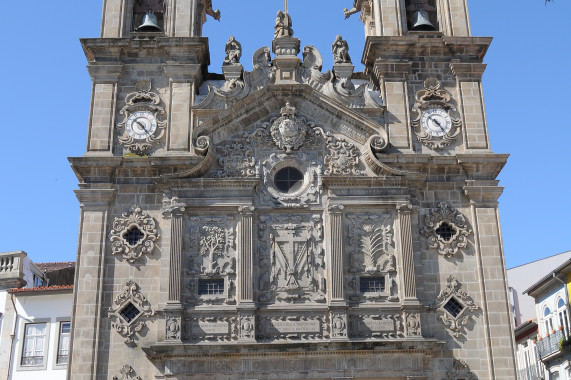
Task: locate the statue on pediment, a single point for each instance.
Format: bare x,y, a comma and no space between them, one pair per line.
340,50
283,25
233,51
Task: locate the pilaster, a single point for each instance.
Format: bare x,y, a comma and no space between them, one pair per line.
103,103
89,275
471,99
489,252
393,79
246,294
408,271
184,79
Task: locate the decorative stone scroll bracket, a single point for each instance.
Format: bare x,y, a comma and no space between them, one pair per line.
455,308
131,306
432,96
133,234
446,230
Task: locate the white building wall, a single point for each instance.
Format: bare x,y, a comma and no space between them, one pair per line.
52,309
522,277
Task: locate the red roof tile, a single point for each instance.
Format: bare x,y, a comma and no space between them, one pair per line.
41,289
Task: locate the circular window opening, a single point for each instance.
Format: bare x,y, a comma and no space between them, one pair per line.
288,180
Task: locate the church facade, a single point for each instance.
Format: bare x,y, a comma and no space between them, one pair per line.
289,223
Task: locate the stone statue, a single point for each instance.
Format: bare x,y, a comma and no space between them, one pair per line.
233,51
340,50
153,6
283,25
356,8
215,14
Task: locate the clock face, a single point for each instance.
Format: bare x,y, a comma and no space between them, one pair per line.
436,122
141,125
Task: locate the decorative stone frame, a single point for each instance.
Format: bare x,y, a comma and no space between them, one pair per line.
455,324
142,100
433,96
445,214
308,193
47,345
136,218
131,295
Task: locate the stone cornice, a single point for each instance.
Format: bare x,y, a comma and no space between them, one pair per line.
468,71
485,193
415,48
95,196
180,72
105,73
134,50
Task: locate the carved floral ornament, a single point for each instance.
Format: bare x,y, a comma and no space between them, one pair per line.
142,126
133,234
446,230
455,308
434,100
130,307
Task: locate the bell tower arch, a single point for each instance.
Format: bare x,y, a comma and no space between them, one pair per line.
176,18
399,17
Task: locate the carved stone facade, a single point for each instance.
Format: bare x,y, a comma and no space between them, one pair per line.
290,222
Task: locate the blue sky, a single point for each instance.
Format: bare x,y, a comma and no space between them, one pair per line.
46,90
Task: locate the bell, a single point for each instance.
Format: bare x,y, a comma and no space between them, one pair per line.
420,21
149,24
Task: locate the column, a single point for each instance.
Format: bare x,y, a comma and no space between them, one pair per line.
393,77
113,21
458,23
246,305
87,313
337,305
183,78
392,18
405,233
103,106
471,102
492,277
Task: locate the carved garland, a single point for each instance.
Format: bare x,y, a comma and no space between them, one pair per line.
434,97
133,234
149,103
131,307
446,230
455,307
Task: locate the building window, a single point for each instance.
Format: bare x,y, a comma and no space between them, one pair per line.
34,344
562,313
372,284
38,281
210,287
288,180
453,307
63,344
555,376
129,312
547,322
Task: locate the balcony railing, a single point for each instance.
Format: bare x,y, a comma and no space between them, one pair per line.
550,344
532,372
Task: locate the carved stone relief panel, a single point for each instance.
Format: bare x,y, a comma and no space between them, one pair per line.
211,329
127,373
173,327
371,273
297,326
211,259
339,325
130,309
375,326
291,259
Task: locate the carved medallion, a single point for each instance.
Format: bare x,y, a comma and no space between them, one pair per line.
236,160
127,372
133,234
446,230
173,327
130,310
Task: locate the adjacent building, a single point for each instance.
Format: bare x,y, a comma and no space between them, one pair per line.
35,324
289,222
551,294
